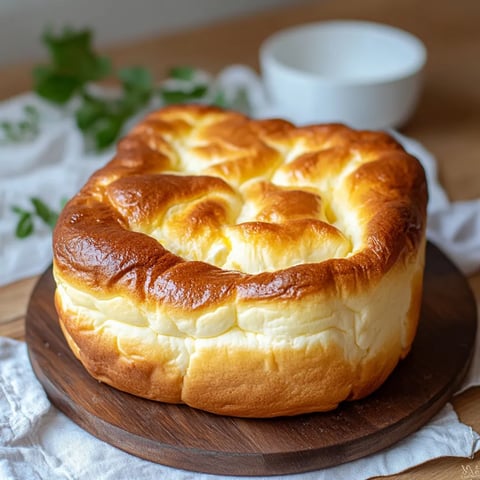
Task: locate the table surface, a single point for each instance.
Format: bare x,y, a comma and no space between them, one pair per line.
447,121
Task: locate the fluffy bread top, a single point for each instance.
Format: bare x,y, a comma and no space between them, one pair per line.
201,207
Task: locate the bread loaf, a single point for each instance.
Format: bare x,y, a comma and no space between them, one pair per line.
244,267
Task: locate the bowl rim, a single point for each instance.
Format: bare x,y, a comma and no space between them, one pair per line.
268,58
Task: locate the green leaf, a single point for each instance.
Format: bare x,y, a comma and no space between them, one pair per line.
136,78
180,96
23,129
106,131
88,113
103,68
182,73
73,64
24,226
69,42
44,211
72,54
55,87
19,210
138,87
102,120
220,100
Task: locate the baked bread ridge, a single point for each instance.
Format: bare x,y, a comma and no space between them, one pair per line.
176,321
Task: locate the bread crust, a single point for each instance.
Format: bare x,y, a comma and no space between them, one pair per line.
244,267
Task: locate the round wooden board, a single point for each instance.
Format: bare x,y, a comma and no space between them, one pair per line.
190,439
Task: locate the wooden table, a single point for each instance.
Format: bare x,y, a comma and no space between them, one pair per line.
447,121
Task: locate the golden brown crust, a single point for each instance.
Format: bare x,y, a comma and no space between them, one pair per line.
207,223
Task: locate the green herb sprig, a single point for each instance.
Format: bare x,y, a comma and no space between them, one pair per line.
101,120
23,130
74,65
192,90
26,218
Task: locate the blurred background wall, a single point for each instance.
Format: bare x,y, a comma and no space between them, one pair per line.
22,22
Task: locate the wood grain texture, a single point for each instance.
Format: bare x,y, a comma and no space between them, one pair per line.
194,440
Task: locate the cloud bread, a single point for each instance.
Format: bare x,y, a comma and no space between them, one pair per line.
244,267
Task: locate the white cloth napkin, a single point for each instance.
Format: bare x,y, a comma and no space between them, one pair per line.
39,442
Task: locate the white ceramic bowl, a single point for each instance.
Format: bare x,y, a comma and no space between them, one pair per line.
364,74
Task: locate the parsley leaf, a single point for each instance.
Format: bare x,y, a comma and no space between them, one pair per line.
182,73
24,225
73,64
101,120
137,82
182,96
26,221
22,130
106,130
43,211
